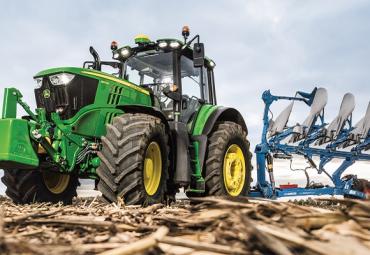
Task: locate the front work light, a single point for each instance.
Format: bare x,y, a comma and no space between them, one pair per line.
125,52
174,45
38,82
212,64
61,79
116,55
162,44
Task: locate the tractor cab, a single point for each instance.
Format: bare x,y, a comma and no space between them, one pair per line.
177,75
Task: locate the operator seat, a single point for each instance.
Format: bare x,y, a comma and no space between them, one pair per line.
279,124
319,102
336,126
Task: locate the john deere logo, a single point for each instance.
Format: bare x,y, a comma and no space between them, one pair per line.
46,93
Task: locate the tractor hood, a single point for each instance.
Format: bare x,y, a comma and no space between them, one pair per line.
66,90
51,71
91,74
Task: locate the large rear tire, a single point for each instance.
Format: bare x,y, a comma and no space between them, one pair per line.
29,186
228,161
134,160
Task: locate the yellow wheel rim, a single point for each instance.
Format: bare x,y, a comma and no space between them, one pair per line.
152,168
55,182
234,170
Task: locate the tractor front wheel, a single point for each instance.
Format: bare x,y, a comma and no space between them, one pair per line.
36,185
228,163
134,160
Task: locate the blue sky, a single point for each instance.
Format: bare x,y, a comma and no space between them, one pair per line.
279,45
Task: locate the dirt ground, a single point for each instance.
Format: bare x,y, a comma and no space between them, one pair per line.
200,226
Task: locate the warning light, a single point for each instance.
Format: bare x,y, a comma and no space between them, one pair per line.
185,31
114,45
141,39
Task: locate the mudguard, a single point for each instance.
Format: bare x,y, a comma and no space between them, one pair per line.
206,120
144,109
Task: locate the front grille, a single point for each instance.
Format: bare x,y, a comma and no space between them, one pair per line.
68,99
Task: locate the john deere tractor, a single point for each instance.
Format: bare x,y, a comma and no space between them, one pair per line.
149,128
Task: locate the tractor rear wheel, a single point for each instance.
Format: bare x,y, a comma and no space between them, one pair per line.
228,161
29,186
134,160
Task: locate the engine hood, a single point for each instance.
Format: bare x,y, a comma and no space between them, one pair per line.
91,74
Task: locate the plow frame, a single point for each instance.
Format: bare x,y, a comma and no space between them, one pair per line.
265,186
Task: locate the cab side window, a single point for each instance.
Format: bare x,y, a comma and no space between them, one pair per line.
191,79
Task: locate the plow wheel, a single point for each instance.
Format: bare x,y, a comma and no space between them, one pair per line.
134,160
228,163
29,186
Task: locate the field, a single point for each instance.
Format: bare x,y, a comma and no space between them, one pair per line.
201,226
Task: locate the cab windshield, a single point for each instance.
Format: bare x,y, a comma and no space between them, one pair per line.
154,69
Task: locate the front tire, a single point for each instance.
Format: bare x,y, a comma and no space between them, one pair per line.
29,186
134,160
228,165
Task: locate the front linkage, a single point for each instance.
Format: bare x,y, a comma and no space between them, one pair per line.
53,139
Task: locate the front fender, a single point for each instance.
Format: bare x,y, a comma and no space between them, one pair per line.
144,109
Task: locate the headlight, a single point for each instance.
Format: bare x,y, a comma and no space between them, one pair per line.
125,52
38,82
174,45
61,78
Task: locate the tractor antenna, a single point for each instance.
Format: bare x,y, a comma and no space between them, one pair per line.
185,33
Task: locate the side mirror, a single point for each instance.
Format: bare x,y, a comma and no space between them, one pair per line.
174,95
198,54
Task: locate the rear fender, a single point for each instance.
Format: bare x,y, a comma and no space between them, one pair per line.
201,131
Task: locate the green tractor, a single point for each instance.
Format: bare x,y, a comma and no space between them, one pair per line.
143,132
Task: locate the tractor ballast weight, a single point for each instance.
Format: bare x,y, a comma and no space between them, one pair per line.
142,132
314,137
16,150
